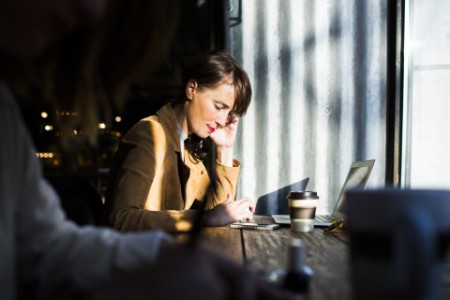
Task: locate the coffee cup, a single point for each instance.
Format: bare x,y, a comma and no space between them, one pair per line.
302,210
398,240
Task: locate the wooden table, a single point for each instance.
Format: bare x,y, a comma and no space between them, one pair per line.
266,252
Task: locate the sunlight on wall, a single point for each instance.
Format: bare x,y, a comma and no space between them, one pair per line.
318,74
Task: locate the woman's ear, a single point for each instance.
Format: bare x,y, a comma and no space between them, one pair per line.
190,88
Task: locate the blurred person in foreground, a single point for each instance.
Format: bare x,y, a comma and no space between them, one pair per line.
42,254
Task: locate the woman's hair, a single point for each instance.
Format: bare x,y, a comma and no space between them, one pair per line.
214,67
209,70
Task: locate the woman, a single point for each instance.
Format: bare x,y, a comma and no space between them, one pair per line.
159,178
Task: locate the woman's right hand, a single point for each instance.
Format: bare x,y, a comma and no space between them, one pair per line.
229,212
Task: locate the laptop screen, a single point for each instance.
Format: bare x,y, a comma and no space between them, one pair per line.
357,176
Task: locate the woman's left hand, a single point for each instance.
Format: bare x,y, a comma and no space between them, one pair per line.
224,136
230,211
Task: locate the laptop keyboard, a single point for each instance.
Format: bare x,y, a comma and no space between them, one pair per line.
324,218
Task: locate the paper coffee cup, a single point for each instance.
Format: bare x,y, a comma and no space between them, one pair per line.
302,210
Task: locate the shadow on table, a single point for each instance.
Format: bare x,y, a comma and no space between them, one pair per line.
276,201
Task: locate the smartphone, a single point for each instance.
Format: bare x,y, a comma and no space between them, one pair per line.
254,226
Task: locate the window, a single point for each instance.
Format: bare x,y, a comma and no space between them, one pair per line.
426,111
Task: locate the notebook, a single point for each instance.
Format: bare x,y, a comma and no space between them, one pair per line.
358,176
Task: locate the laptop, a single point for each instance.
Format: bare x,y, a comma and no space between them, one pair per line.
358,176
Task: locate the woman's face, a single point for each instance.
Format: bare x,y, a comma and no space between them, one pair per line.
28,26
208,109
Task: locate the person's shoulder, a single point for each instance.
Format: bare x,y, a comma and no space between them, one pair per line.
9,109
160,119
6,96
157,128
146,127
150,123
150,120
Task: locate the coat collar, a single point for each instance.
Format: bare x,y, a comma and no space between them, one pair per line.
168,119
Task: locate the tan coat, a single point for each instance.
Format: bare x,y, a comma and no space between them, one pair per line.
151,187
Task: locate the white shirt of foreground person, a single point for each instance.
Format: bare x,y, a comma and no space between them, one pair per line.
38,246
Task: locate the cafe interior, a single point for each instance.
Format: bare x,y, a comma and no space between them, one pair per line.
334,82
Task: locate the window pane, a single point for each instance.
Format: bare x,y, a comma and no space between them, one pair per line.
427,92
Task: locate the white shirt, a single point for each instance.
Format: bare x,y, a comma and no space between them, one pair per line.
183,137
38,245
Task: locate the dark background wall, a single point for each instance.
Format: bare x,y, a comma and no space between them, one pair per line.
201,27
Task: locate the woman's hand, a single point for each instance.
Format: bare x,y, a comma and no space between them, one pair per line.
229,212
224,136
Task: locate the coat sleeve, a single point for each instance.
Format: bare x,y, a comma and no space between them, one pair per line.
226,183
138,167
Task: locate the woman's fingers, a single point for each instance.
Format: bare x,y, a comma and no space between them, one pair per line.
230,211
232,119
246,207
249,203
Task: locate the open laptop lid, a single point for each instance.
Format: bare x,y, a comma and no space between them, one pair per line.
358,176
